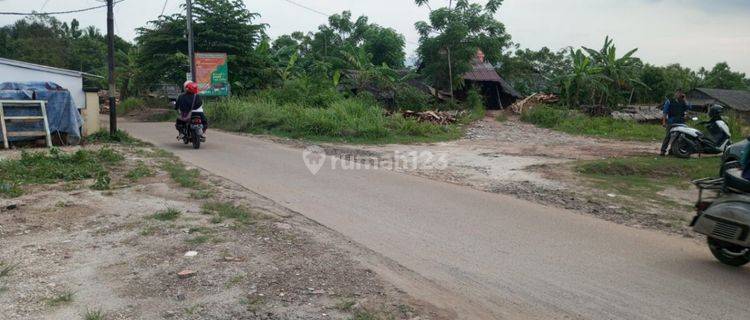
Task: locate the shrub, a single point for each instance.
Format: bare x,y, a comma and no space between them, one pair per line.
410,98
475,103
130,105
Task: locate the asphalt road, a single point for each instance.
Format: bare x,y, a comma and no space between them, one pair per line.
506,258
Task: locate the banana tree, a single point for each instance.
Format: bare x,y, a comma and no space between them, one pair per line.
584,77
622,72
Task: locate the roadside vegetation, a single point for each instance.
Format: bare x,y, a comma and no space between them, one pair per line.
352,120
648,178
575,122
55,166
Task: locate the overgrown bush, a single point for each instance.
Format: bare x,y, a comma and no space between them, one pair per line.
354,119
410,98
130,105
302,91
475,103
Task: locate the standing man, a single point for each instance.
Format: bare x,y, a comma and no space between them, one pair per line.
673,114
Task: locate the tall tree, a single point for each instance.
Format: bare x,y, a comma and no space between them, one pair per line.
219,26
722,77
454,33
531,71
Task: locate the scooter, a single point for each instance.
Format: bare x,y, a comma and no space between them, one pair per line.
686,141
725,220
191,129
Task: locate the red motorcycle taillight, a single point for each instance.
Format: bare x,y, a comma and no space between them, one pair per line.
197,121
702,206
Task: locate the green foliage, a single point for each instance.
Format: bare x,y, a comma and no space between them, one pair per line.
475,103
61,299
93,315
122,137
130,105
168,214
532,71
102,181
219,26
140,171
410,98
226,210
354,119
574,122
52,167
722,77
186,178
454,33
652,167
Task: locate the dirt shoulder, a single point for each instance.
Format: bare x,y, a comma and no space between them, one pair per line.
150,248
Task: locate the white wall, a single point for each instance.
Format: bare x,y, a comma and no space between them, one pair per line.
74,84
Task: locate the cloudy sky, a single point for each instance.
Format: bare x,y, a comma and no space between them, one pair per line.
692,32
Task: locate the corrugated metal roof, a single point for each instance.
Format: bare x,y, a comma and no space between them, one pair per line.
485,71
735,99
39,67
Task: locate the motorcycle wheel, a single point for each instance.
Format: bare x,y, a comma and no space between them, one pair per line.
681,148
728,254
197,138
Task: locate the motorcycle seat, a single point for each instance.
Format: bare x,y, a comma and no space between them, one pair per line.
734,181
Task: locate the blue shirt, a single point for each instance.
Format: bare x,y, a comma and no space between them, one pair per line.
677,118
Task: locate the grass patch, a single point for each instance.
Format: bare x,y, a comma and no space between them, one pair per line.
202,194
140,171
501,117
346,305
655,168
346,120
574,122
169,214
148,231
643,178
225,210
120,137
234,281
201,239
129,105
182,176
93,315
52,167
61,299
6,269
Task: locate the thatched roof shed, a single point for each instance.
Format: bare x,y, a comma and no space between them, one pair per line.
497,92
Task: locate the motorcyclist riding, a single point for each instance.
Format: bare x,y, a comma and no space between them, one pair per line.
190,102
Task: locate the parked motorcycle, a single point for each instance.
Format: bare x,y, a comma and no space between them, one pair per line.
686,141
725,219
191,130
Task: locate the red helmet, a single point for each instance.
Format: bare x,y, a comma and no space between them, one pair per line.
191,87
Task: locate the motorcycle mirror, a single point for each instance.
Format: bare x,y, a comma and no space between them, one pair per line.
695,118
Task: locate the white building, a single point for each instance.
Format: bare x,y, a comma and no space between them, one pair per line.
19,71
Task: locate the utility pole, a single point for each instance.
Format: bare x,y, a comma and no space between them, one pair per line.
111,67
191,49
